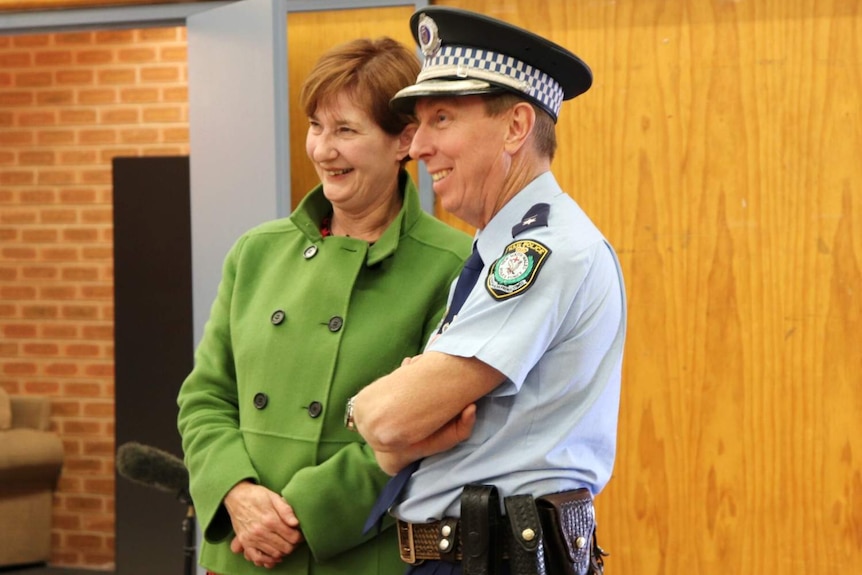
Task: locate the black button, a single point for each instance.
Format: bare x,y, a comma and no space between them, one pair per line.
277,317
315,409
260,400
310,252
335,323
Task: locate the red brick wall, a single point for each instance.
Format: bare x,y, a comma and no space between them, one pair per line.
69,103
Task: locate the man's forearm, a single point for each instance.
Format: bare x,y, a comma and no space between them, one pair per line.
451,434
419,399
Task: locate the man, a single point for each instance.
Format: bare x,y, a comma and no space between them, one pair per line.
527,371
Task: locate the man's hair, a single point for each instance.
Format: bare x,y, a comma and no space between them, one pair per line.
544,132
370,72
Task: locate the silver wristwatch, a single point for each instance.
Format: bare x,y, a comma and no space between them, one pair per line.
349,422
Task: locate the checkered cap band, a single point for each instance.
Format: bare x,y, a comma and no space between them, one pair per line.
466,62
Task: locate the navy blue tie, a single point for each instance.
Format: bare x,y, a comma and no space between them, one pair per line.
471,272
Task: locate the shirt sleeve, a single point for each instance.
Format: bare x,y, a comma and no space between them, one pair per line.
512,334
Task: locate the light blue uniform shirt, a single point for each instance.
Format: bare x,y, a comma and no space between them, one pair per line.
552,425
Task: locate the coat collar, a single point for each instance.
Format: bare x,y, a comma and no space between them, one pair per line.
314,207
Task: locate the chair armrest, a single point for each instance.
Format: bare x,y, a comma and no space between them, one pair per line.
32,412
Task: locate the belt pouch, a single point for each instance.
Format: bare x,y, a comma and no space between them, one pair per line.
480,513
447,539
569,522
526,548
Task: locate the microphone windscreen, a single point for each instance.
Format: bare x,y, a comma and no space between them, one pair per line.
152,467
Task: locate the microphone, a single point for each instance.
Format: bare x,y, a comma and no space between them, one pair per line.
153,467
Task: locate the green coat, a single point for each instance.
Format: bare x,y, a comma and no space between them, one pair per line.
289,339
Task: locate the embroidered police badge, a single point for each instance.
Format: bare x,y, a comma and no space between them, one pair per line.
516,269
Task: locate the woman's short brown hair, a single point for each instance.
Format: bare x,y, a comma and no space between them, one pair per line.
370,72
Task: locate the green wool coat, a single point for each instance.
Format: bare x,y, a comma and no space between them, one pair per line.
301,323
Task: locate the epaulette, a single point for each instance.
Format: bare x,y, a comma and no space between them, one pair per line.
536,217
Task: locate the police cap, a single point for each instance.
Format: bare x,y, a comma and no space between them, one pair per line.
468,53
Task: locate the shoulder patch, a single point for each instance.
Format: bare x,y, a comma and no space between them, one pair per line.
516,270
536,217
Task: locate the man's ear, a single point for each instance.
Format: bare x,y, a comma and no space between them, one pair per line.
522,119
405,139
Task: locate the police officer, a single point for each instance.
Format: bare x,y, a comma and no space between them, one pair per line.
526,370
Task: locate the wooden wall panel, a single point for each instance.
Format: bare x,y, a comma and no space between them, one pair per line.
310,34
719,150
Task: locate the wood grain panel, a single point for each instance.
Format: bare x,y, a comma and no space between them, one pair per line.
310,34
719,150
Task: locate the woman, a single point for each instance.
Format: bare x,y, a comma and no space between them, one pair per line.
310,309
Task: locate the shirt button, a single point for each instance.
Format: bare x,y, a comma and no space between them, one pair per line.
315,408
335,323
277,317
260,400
310,252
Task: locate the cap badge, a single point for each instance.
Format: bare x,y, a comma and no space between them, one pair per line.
429,38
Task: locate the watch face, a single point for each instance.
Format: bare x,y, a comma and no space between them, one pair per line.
348,416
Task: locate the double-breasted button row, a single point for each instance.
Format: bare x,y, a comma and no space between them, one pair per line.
335,323
315,408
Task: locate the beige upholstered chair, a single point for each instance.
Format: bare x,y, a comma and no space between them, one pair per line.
31,457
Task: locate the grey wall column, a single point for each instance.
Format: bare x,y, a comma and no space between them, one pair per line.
238,126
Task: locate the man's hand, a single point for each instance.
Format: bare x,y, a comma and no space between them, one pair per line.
265,525
451,434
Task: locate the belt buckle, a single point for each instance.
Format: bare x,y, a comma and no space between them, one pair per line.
405,542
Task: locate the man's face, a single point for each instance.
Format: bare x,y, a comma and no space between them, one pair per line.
462,147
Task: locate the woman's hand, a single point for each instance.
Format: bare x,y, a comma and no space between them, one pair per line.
265,525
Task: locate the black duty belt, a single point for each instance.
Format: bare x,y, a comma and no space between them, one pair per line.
553,534
432,541
429,541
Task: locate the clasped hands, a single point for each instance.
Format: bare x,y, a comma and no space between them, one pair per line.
265,525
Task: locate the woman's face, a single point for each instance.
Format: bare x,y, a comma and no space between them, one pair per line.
356,161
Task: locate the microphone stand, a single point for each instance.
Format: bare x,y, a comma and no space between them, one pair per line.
190,547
